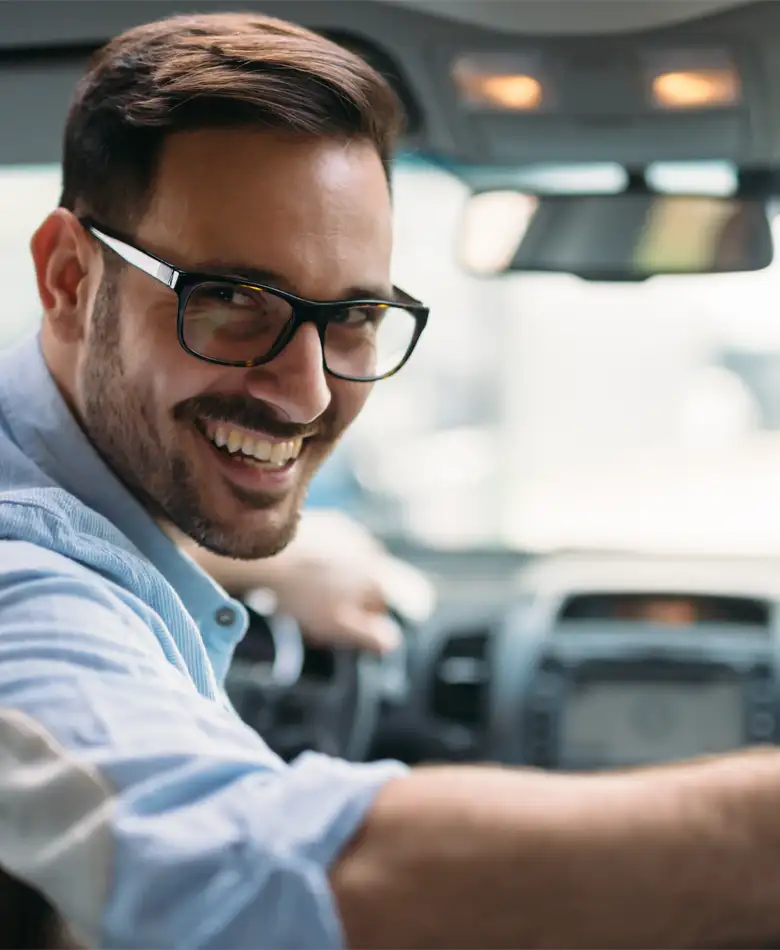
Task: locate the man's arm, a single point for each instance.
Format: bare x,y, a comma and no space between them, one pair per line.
148,814
682,856
335,579
321,537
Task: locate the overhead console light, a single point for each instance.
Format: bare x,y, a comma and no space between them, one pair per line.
697,89
497,81
694,79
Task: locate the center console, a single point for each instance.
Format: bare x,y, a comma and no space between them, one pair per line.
604,693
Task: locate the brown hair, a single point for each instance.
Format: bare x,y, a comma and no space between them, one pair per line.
209,71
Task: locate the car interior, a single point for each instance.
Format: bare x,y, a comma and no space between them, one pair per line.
584,452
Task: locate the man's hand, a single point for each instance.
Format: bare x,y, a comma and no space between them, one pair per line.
332,584
335,579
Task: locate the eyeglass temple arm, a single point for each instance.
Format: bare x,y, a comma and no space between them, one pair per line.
140,259
168,275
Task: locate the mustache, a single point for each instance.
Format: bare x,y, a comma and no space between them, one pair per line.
244,413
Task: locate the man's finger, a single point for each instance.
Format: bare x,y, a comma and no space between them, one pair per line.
406,589
365,630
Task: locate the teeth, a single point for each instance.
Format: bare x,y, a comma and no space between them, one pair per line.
259,449
280,452
234,441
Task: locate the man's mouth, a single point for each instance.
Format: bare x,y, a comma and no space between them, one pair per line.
254,448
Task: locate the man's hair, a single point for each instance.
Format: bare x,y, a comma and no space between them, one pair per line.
210,71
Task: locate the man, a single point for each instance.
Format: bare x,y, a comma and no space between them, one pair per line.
205,156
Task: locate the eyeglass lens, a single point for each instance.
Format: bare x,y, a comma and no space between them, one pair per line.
234,323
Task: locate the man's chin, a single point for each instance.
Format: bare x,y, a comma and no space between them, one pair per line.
250,511
251,531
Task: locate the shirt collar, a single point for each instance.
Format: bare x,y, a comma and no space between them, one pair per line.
46,431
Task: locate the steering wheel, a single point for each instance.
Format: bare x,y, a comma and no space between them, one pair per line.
299,697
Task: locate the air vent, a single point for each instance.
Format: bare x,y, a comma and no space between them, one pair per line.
460,679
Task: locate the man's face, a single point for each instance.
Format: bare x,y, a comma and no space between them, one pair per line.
314,212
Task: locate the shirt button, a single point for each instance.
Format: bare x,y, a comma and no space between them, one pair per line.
225,616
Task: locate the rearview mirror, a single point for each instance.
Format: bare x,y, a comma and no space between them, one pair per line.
629,236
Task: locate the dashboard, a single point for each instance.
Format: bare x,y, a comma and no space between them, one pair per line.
578,662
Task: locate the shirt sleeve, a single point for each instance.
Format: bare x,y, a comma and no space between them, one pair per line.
149,815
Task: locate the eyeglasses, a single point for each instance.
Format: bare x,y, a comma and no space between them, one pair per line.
235,322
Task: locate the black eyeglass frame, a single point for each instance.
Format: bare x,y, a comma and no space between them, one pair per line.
184,282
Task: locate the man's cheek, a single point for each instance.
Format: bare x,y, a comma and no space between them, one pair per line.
351,403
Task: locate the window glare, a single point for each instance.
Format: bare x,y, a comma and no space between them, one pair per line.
27,195
693,178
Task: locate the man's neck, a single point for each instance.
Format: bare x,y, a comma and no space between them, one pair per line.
61,365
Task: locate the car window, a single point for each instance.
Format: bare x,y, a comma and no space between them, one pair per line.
27,194
540,410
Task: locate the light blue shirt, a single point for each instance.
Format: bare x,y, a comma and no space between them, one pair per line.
131,794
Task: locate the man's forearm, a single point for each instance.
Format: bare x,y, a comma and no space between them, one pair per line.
686,856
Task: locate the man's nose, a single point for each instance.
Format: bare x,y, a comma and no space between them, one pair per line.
294,382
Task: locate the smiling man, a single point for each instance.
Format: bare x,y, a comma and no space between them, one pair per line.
224,455
217,302
227,458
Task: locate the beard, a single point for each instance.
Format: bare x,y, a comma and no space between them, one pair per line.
118,416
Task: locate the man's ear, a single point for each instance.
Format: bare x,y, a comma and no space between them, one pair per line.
62,257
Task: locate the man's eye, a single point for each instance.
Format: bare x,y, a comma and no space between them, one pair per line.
232,297
359,317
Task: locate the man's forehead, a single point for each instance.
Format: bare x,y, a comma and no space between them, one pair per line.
310,216
270,170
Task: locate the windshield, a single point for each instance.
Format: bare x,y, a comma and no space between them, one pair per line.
539,411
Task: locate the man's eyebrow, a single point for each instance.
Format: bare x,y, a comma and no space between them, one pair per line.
273,279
